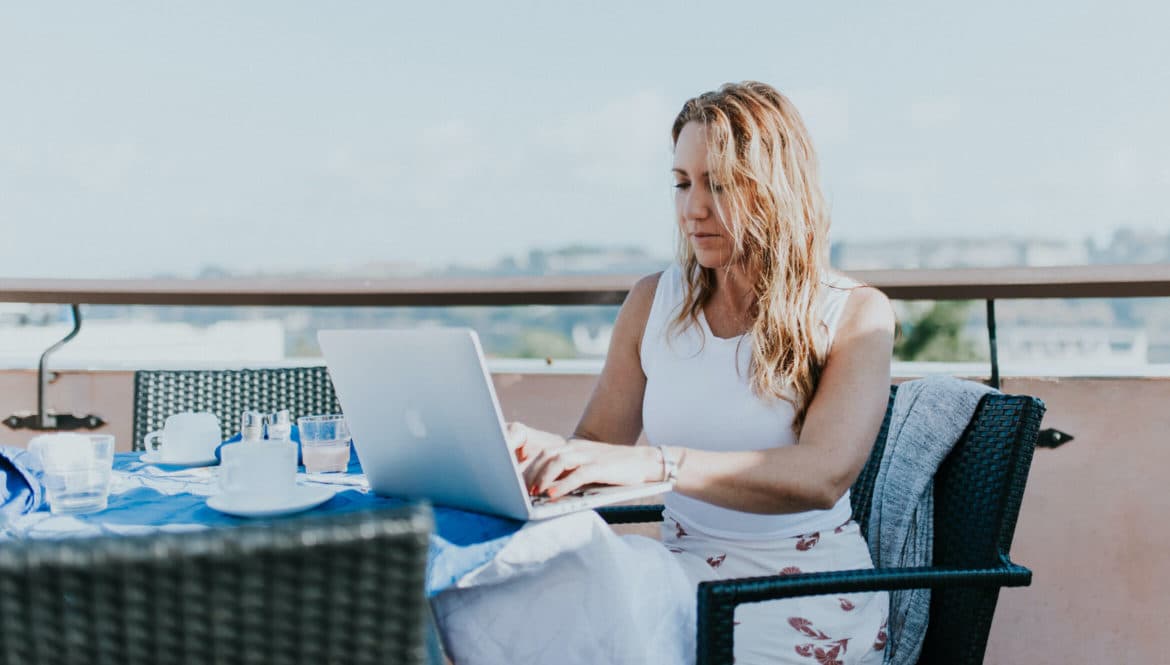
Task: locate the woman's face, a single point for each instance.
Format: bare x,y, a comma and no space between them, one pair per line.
694,199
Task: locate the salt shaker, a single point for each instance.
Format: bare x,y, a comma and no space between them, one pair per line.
280,426
251,426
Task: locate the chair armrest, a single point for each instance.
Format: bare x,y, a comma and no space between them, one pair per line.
631,514
756,589
718,600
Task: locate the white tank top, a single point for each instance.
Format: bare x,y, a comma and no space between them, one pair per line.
698,395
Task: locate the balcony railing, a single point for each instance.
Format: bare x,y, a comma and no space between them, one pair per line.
988,284
1129,281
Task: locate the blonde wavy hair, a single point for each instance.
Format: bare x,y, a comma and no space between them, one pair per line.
771,203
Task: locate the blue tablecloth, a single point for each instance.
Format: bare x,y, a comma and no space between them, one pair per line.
146,498
20,489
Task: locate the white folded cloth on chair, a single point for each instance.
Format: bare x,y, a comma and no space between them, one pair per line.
570,591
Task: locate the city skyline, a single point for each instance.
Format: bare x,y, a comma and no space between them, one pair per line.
146,139
1125,245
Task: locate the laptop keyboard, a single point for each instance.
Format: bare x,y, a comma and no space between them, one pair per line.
578,493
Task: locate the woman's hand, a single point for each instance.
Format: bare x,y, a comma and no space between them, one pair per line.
557,471
528,442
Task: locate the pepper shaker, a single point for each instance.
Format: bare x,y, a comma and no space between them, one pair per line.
251,426
280,426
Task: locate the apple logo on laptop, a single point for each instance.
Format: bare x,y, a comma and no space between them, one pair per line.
414,422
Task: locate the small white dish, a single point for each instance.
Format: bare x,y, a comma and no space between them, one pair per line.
302,497
153,457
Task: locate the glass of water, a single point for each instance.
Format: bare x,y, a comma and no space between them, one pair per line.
324,443
77,470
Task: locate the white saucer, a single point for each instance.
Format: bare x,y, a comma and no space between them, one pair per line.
153,457
303,497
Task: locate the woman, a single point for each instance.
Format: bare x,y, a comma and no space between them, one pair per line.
759,378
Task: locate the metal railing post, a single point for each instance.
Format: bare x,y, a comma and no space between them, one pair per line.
992,343
44,420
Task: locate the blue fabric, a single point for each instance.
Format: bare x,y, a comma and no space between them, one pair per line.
21,490
295,436
461,542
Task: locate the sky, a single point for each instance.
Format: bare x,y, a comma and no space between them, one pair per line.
143,138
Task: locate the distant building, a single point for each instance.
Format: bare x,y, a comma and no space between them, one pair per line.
1082,346
136,344
588,259
1128,245
23,314
917,253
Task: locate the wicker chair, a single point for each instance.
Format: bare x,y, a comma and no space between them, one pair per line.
334,589
977,493
227,394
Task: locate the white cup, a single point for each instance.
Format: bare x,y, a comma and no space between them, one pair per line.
258,470
185,436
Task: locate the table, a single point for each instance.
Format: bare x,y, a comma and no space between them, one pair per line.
146,498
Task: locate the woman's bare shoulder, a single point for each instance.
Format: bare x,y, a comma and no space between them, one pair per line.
867,310
641,295
631,320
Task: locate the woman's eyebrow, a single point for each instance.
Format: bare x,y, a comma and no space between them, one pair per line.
682,172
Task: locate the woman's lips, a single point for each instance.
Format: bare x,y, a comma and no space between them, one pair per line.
704,238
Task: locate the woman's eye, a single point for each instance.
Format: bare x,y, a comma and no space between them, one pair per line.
682,185
716,187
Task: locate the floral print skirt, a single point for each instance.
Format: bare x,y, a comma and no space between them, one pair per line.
841,629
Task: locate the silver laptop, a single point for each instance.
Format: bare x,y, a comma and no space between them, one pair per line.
426,423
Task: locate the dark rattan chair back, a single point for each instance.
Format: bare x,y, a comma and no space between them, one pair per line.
321,589
227,394
977,495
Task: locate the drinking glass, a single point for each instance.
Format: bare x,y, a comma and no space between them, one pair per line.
324,443
77,470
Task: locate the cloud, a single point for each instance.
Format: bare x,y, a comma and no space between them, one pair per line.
420,167
99,168
909,187
623,141
446,156
892,178
1128,169
825,112
930,113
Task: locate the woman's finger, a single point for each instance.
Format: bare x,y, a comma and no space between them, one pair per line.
517,435
559,464
548,474
539,468
533,466
576,478
523,462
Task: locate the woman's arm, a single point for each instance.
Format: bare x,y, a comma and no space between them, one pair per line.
614,411
842,422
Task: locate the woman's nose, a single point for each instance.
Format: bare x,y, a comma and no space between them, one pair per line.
696,206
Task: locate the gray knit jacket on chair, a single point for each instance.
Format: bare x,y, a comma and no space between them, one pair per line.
928,418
